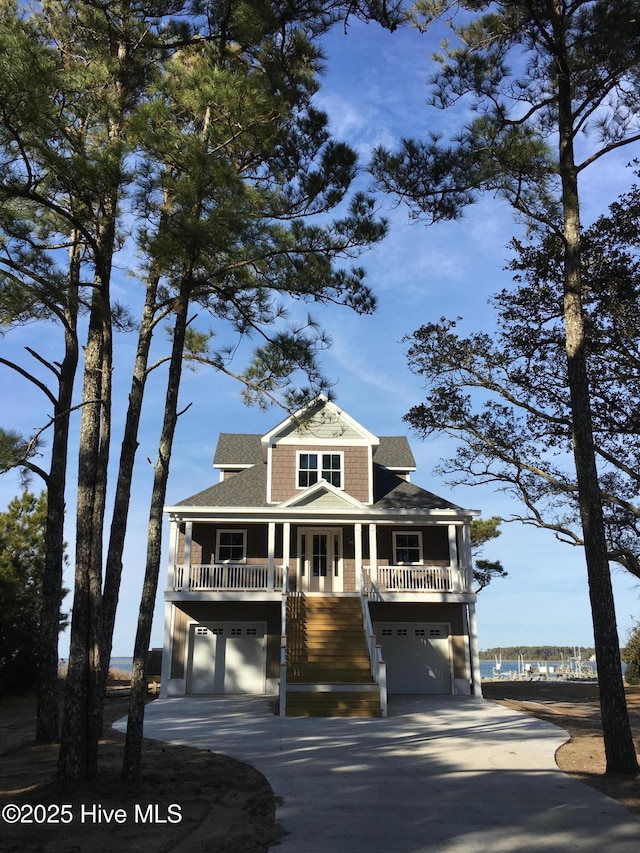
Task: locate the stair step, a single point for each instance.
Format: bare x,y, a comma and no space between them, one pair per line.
333,647
328,677
325,660
326,646
312,705
333,704
346,712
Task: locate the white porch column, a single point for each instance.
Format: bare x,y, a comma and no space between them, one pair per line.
453,546
271,547
454,559
467,561
167,649
357,549
373,552
476,678
286,546
172,573
188,541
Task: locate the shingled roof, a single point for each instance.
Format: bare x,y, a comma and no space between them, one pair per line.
249,488
239,449
394,452
392,492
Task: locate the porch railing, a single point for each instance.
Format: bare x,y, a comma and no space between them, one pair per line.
225,576
416,578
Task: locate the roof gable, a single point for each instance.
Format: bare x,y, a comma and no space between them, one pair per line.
322,493
321,422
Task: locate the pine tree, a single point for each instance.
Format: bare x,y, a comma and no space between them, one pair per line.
577,78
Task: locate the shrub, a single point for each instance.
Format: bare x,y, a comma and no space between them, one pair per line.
631,656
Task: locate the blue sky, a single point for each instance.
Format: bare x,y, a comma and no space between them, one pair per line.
375,92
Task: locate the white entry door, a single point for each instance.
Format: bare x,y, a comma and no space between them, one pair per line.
417,656
320,561
227,657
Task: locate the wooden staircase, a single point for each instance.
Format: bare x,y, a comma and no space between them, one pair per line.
328,668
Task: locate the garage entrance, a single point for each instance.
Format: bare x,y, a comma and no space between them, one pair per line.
227,657
417,656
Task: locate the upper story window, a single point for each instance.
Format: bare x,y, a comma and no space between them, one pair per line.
313,467
231,546
407,548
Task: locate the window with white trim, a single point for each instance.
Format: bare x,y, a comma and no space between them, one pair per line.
313,467
407,548
231,546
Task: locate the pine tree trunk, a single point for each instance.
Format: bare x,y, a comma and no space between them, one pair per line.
78,758
133,743
47,724
618,741
47,728
113,568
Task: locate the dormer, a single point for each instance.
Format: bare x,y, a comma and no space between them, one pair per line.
320,443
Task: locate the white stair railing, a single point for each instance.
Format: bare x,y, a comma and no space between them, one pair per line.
282,704
378,665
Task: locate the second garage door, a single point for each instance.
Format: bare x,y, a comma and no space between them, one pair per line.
417,656
227,657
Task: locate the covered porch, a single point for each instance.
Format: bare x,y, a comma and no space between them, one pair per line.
320,556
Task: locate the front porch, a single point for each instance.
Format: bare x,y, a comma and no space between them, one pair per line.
394,556
222,577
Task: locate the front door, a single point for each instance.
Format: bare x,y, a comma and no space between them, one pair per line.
320,561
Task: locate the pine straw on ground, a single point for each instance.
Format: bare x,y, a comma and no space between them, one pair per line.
224,806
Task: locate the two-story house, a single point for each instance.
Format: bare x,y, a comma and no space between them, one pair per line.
315,570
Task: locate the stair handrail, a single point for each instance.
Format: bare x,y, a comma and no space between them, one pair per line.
282,703
378,664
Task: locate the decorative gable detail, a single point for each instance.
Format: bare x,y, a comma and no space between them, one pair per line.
322,494
321,423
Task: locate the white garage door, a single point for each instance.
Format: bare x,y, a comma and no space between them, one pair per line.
417,656
227,657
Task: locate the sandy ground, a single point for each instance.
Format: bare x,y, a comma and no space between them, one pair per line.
190,799
187,800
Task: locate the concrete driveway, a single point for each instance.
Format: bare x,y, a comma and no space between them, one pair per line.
439,775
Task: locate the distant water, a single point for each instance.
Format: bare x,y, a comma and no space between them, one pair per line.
125,664
509,668
486,666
